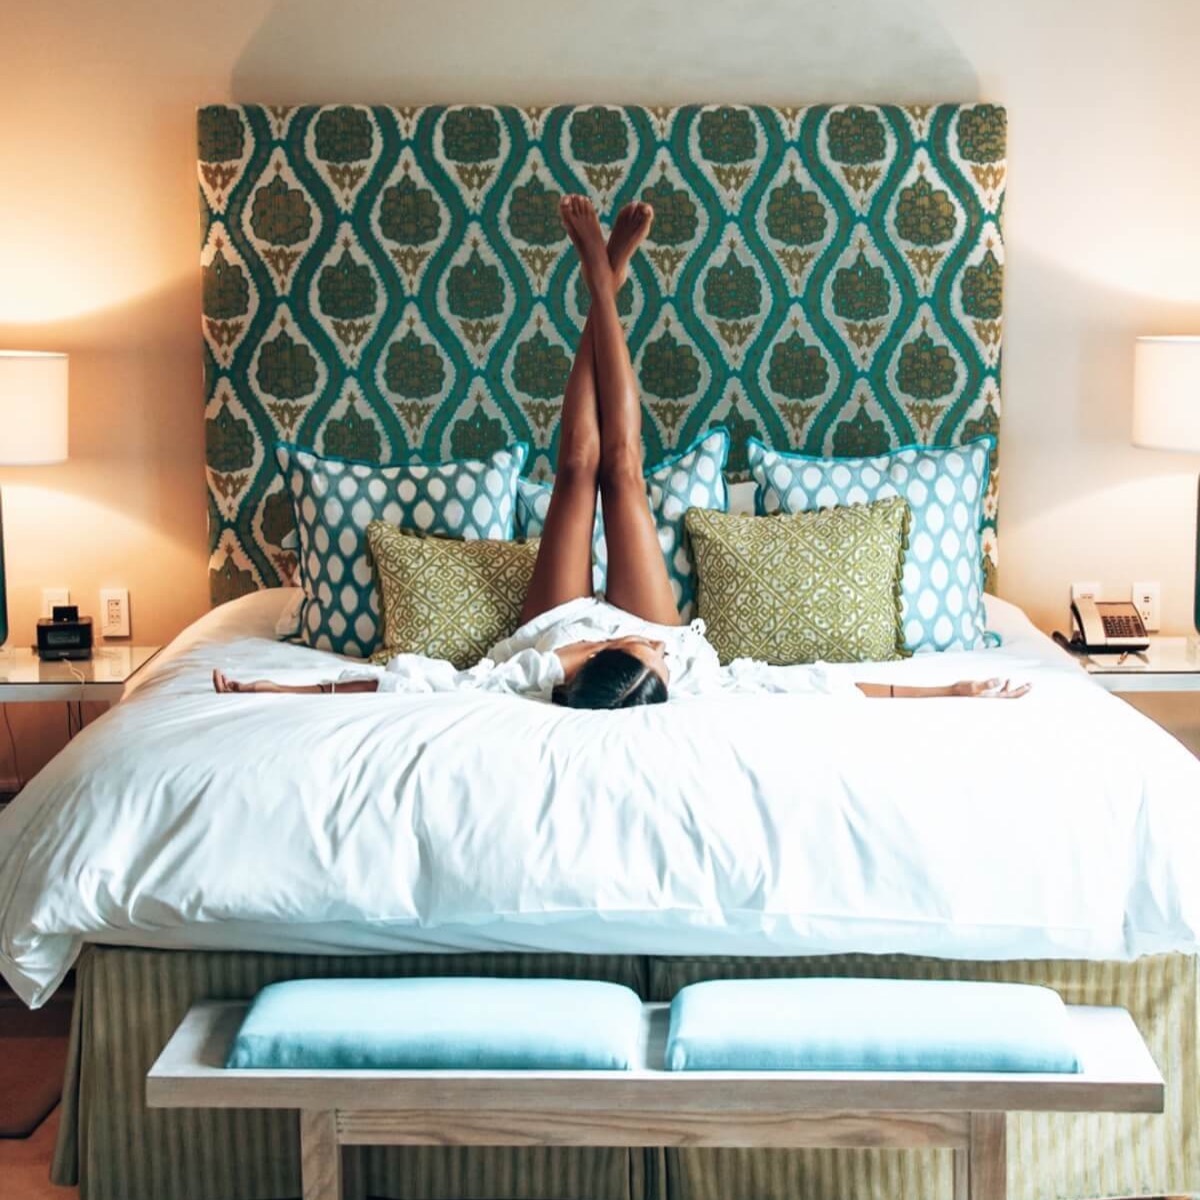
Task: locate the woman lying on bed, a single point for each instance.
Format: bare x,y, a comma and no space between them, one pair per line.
623,650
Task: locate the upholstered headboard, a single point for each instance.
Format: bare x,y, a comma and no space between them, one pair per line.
384,282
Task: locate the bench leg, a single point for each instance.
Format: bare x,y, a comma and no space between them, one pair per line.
320,1156
981,1170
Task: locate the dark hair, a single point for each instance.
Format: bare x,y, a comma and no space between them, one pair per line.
612,679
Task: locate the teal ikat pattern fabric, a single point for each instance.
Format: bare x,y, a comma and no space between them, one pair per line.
384,283
692,479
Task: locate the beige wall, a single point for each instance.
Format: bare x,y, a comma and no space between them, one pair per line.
98,232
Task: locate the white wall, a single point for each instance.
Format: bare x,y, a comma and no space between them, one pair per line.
98,231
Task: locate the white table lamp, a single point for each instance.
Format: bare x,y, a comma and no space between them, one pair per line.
1166,406
33,424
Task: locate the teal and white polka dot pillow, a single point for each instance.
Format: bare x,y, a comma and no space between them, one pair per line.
694,478
942,588
334,501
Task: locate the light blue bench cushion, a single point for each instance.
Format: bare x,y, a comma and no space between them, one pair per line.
454,1024
868,1025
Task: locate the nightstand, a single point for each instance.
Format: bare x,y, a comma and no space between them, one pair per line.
1172,664
26,678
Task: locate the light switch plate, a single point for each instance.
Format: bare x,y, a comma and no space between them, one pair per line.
1089,590
52,596
114,612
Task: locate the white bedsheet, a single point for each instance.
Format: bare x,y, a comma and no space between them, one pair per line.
1062,825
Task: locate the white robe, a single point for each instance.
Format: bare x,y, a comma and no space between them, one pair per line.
526,664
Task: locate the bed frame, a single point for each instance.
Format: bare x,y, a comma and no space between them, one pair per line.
129,1002
384,281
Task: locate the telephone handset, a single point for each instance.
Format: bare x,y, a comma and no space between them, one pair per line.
1106,627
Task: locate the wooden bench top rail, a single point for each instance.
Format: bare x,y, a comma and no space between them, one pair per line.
1118,1076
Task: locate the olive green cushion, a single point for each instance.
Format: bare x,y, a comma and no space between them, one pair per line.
446,598
809,587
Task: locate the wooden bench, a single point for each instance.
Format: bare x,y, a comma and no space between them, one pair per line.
649,1106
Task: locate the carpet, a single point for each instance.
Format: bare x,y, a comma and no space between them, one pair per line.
33,1053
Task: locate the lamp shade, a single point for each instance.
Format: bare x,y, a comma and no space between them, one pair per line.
33,408
1166,393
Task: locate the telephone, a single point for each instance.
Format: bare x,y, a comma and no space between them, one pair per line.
1105,627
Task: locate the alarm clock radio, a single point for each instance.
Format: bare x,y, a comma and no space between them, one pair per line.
65,635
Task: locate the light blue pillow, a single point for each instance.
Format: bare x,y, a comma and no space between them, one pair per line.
461,1024
693,478
942,584
869,1025
334,501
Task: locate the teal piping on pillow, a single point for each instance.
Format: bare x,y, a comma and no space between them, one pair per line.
700,439
519,451
984,439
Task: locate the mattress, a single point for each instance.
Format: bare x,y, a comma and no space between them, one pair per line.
1060,826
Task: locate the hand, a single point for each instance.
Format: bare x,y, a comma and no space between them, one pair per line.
989,689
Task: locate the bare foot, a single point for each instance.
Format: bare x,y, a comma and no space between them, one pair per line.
564,207
583,228
629,230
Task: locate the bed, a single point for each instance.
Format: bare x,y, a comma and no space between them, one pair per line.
516,837
741,824
379,283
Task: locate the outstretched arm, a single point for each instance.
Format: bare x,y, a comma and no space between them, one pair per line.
222,683
987,689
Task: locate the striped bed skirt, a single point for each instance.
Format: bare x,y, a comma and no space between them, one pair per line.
128,1003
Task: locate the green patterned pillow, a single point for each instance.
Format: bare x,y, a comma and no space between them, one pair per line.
810,587
447,598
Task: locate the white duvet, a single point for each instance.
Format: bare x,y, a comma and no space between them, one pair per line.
1061,825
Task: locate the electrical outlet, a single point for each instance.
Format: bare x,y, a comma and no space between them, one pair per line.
53,596
114,612
1085,591
1148,599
